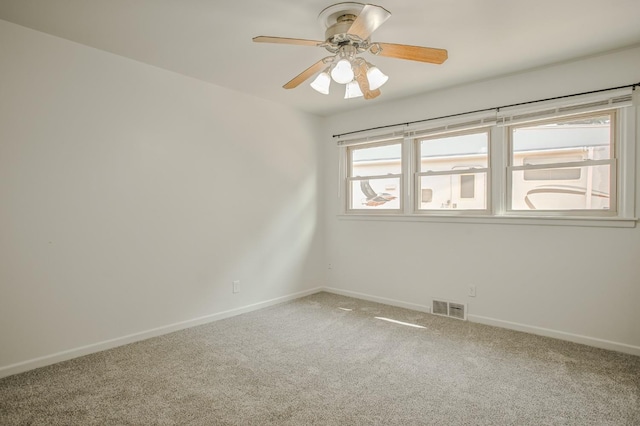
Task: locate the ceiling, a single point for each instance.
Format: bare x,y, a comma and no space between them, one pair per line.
211,40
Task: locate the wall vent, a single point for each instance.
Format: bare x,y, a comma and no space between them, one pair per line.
440,308
449,309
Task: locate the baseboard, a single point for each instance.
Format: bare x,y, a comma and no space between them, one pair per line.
384,300
31,364
576,338
135,337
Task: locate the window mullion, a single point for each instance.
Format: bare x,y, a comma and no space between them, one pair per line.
499,152
626,154
408,165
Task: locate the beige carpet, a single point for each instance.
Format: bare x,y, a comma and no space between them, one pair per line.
330,360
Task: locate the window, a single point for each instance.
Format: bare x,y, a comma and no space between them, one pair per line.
468,186
375,177
452,171
556,162
565,164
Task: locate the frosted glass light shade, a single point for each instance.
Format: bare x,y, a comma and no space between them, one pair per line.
352,90
342,73
376,78
321,83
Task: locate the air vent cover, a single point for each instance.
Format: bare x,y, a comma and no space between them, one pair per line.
449,309
457,310
440,308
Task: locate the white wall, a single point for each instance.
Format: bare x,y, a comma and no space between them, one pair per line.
578,283
131,197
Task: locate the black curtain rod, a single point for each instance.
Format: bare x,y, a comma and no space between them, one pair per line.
633,86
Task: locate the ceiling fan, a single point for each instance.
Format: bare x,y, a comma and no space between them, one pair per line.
348,30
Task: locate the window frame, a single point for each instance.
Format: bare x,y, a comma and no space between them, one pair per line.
417,173
612,162
349,179
623,154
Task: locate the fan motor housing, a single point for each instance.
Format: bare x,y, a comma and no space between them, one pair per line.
340,27
336,21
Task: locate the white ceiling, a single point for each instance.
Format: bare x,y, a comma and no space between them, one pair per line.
211,40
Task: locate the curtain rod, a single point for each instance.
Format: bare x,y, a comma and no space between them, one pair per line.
633,86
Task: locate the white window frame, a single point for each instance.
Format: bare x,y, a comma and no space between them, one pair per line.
611,162
626,138
417,173
350,179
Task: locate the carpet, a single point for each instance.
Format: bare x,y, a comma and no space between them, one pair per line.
327,359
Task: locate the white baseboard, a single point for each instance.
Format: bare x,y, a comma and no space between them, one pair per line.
31,364
576,338
384,300
136,337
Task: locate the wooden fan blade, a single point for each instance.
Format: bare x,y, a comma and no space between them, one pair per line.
304,75
413,53
284,40
360,71
369,19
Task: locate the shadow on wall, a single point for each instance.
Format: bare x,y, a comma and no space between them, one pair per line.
278,257
278,253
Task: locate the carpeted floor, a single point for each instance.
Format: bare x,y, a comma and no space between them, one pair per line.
332,360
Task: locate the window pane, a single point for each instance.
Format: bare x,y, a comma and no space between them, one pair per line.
588,138
467,186
589,191
454,152
379,160
573,173
447,192
377,194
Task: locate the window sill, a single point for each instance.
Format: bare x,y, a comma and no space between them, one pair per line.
601,222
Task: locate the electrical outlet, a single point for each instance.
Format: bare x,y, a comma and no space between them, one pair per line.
472,291
236,286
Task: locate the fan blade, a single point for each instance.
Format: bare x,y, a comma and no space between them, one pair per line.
304,75
360,71
283,40
369,19
413,53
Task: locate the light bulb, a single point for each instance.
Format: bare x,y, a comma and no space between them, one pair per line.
352,90
342,72
321,83
376,78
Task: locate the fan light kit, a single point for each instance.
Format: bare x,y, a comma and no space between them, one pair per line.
348,28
